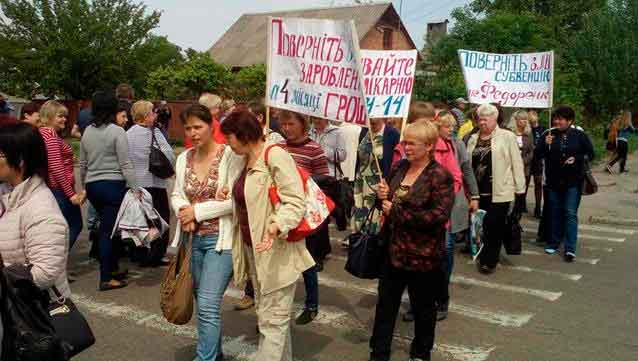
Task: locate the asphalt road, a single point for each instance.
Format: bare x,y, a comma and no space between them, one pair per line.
534,308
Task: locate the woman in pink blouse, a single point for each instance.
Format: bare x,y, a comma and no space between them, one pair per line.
60,178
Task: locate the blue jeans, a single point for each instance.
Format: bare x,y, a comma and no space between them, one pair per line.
106,196
92,219
447,265
564,215
212,272
71,213
311,281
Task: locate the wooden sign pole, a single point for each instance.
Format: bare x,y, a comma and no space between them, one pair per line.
268,64
357,55
404,123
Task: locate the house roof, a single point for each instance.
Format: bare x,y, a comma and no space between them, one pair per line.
244,44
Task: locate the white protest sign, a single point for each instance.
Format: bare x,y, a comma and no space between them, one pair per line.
388,77
513,80
312,69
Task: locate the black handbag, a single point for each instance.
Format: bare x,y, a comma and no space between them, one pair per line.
344,198
70,325
513,240
158,163
590,186
29,334
366,252
341,193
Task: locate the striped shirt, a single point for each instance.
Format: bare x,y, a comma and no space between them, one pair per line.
59,162
310,156
139,143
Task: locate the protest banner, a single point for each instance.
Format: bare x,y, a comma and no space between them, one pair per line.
388,77
513,80
312,69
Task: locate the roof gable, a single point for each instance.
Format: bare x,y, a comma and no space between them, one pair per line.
244,43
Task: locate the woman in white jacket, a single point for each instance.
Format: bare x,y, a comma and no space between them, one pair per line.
32,228
500,176
199,212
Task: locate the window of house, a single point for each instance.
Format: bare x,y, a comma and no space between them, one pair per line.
387,39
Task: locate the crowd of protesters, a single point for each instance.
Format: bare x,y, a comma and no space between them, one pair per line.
416,187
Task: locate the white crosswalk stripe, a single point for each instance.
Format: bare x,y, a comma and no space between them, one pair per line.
239,348
236,347
578,259
567,276
599,249
585,236
592,228
504,319
546,295
549,295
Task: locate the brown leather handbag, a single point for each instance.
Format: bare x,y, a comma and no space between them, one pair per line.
176,291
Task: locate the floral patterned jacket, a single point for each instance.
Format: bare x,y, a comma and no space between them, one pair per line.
415,227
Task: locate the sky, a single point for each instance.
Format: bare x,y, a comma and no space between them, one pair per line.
198,24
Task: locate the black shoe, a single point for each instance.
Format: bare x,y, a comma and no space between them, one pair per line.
441,312
569,257
408,316
306,317
537,213
486,270
120,275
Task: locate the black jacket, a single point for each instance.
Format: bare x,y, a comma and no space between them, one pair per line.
570,143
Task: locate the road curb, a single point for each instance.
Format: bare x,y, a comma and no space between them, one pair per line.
613,221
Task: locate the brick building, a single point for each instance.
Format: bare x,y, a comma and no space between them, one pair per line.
378,25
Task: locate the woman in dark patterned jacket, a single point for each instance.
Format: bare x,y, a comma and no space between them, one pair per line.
417,205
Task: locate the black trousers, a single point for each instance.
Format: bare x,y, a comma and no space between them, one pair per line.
318,244
493,230
621,155
158,247
422,289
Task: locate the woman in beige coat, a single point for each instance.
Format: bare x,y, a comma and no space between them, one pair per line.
260,249
32,228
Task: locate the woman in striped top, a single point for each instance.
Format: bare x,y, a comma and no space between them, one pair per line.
140,143
308,155
60,178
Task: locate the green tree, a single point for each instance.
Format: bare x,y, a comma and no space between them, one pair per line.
606,52
187,80
71,47
248,83
154,53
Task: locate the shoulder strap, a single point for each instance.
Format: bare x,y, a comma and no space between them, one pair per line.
267,151
153,139
337,165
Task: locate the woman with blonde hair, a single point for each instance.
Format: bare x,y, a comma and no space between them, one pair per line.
619,133
416,201
462,206
61,178
520,126
500,175
141,137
